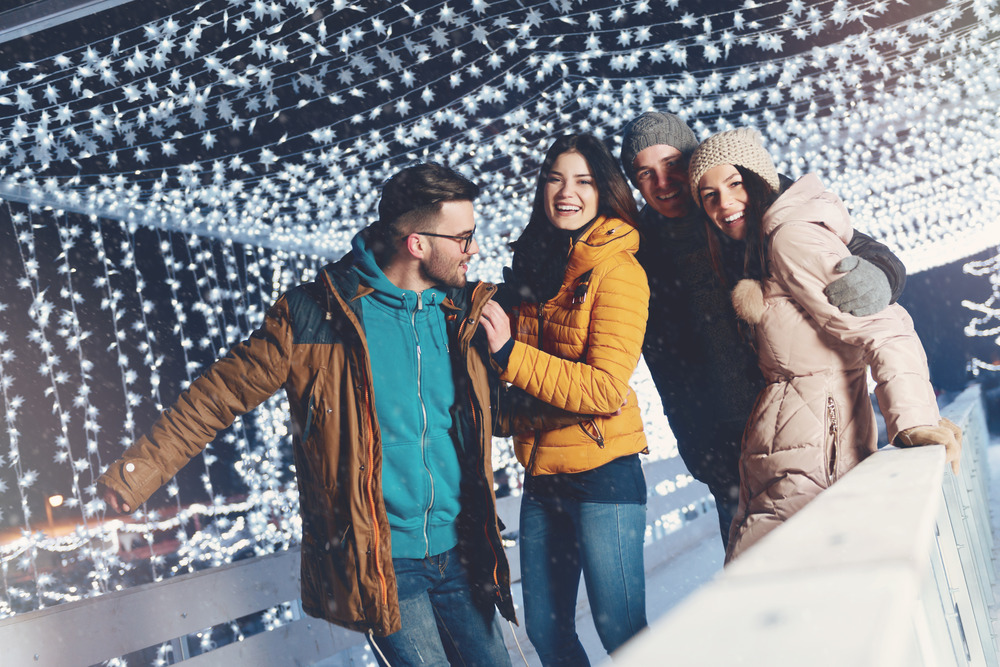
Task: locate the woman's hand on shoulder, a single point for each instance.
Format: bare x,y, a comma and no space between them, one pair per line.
496,324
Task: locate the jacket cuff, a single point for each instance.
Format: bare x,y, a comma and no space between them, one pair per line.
514,358
502,356
135,479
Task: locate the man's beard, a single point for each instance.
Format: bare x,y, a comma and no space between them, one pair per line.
442,272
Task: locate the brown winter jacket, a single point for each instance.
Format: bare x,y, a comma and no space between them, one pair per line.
312,343
589,346
814,421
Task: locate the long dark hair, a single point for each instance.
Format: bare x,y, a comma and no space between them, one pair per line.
541,251
614,196
760,196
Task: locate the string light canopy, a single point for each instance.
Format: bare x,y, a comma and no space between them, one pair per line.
275,122
166,180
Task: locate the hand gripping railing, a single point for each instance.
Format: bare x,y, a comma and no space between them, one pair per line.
891,567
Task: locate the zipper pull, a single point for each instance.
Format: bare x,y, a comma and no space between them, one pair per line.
420,300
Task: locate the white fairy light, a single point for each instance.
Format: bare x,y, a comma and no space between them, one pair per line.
987,324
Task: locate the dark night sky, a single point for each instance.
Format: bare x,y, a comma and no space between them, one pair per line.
934,300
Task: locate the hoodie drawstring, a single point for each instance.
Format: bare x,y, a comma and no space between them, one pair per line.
371,641
516,642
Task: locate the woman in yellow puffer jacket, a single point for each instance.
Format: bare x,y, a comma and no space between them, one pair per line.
577,301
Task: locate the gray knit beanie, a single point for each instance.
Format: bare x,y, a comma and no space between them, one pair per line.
650,129
742,148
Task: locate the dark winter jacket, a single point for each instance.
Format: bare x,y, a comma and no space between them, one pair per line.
313,344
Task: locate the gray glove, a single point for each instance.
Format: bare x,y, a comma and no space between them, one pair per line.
863,291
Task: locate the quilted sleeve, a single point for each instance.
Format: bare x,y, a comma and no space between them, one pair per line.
598,385
802,259
251,372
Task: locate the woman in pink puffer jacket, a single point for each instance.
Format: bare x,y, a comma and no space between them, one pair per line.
813,421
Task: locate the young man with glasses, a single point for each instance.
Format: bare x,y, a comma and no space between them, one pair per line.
384,369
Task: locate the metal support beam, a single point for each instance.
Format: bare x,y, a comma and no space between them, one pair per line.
44,14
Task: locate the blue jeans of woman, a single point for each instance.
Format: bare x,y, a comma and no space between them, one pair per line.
560,539
441,623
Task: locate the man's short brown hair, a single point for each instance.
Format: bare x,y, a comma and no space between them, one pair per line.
415,192
412,196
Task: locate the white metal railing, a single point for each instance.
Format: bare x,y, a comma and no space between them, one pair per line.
891,567
680,514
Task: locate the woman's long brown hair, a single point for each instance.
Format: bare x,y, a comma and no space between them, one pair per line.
614,196
760,196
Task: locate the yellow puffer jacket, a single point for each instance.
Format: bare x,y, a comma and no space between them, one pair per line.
591,338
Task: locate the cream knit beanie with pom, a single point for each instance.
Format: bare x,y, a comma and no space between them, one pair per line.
741,147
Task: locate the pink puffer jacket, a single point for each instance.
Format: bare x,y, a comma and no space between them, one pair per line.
813,422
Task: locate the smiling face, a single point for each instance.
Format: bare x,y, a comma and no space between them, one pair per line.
725,200
571,199
662,177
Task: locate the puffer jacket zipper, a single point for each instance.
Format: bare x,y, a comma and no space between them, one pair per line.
530,468
599,438
423,414
833,432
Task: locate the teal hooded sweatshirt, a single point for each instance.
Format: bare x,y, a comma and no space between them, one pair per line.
414,392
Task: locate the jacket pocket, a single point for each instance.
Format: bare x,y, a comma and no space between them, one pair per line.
590,428
307,429
314,436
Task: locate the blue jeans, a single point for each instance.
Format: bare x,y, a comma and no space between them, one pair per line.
560,539
441,624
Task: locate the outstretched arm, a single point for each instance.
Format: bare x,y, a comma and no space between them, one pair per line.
803,256
235,384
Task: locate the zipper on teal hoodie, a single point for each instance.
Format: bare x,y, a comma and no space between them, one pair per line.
423,415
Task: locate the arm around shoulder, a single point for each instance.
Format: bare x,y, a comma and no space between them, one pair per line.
886,261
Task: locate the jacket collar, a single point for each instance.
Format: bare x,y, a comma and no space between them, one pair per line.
347,282
606,237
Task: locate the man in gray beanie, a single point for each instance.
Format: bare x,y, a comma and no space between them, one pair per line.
704,371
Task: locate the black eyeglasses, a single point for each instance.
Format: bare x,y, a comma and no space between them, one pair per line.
465,240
